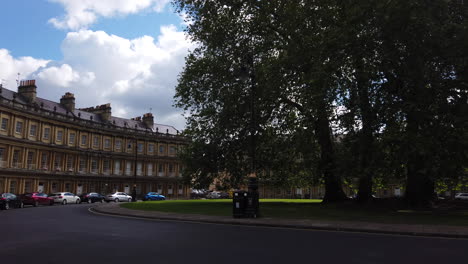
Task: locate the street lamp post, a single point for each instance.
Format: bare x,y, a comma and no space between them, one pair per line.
135,172
252,208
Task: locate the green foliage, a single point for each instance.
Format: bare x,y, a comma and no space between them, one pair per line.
363,92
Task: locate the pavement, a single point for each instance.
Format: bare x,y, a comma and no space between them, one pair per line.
365,227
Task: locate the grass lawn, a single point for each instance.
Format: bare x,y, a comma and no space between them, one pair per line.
309,209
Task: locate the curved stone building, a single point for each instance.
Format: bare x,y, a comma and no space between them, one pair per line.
50,146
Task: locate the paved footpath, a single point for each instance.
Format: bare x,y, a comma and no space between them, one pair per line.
402,229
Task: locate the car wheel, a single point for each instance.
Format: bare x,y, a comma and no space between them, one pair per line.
36,204
78,201
64,202
129,200
102,200
6,206
116,200
51,203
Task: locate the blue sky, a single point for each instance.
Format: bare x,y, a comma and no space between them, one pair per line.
124,52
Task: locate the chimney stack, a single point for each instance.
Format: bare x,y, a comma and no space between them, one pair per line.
148,119
68,101
104,111
27,90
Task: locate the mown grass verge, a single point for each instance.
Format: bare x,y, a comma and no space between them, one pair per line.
306,209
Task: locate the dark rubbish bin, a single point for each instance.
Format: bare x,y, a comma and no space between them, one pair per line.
239,204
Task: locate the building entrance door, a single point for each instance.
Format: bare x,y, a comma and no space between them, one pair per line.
79,189
127,189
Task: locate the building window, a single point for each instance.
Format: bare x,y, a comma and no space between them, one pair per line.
30,160
118,144
181,189
162,149
19,127
58,162
117,167
84,138
2,159
33,130
151,148
4,124
129,146
44,159
161,170
140,147
96,141
106,166
169,189
53,187
172,150
107,143
16,158
59,135
71,139
82,164
12,187
139,168
149,169
27,187
128,168
160,188
171,168
94,166
46,133
67,187
70,163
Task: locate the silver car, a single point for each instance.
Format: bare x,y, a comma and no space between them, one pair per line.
65,197
461,196
118,197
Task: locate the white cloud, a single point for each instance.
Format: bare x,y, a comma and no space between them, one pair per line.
82,13
10,67
61,76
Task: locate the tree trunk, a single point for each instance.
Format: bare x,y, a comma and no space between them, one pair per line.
333,183
366,138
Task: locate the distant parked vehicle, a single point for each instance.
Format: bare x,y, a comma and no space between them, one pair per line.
224,195
213,195
461,196
118,197
65,198
9,200
91,198
198,193
153,196
36,199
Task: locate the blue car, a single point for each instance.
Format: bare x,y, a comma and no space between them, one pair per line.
152,196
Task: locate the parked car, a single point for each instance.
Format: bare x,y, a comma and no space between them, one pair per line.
461,196
153,196
91,198
213,195
118,197
36,199
65,197
9,200
198,193
224,195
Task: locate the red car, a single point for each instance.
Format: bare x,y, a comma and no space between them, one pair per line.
36,199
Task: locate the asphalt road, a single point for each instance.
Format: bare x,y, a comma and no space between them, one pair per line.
71,234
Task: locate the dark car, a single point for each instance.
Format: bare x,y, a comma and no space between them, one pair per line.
152,196
36,199
9,200
91,198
